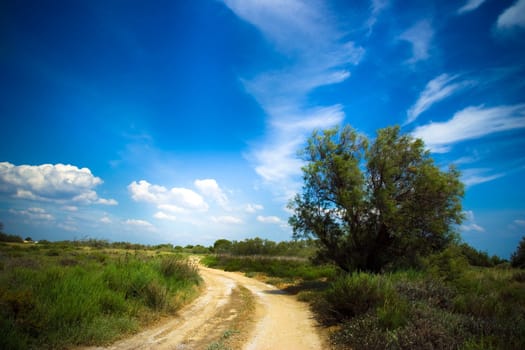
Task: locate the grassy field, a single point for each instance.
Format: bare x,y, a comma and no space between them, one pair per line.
59,295
446,304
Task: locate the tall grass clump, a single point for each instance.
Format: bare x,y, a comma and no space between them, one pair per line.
49,304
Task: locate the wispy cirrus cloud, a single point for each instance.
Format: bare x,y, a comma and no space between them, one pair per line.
470,223
436,90
476,176
316,54
512,17
420,37
376,8
471,123
469,6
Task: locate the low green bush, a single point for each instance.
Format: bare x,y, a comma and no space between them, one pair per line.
353,295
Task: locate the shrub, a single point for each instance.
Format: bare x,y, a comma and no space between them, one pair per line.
447,265
353,295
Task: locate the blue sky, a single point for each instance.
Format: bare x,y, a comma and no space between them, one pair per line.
179,121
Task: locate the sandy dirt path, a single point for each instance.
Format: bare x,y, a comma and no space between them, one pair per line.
279,320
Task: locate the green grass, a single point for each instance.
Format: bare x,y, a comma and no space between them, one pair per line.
282,268
58,298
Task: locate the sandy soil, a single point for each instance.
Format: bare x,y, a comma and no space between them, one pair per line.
278,322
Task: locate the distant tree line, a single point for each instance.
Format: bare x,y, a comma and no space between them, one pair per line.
259,246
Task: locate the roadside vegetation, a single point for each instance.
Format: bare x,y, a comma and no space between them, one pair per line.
65,294
383,217
459,298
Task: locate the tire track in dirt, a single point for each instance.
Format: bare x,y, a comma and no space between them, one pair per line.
279,320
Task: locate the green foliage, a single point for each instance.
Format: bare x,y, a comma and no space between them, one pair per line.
447,265
46,303
353,295
258,246
376,204
274,267
4,237
479,308
517,258
477,258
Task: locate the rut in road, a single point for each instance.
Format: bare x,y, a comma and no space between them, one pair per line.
279,320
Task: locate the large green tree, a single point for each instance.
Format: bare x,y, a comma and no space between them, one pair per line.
374,203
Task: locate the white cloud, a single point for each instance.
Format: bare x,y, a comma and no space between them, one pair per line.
70,208
210,188
177,198
226,219
171,208
471,123
514,16
33,213
163,216
139,223
520,222
436,90
317,54
52,183
420,37
377,6
105,220
252,208
269,219
470,223
471,177
470,5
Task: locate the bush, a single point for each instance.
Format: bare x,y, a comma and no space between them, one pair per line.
353,295
447,265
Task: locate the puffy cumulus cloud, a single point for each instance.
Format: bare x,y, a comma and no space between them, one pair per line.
252,208
513,16
51,182
33,213
210,188
163,216
226,219
269,219
177,199
105,220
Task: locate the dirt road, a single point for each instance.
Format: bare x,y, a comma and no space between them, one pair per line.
277,322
